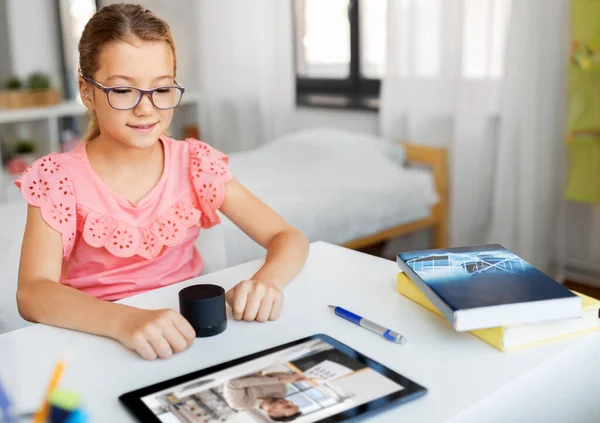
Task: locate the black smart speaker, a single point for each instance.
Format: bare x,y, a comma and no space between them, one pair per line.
204,307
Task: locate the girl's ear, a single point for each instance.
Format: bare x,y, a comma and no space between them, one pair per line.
86,93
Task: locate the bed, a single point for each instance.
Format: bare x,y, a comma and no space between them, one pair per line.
346,188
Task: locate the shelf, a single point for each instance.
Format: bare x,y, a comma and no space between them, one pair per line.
63,109
67,108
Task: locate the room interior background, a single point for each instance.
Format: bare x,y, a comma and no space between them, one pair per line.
488,79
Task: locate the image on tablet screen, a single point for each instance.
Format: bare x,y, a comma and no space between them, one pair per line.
303,383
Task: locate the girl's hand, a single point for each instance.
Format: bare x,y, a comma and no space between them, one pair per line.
155,333
255,300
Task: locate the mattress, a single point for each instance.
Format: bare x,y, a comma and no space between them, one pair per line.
334,186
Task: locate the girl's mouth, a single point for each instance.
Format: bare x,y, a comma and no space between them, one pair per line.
144,129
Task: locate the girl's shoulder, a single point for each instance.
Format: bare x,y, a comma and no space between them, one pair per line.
53,169
48,183
55,165
209,171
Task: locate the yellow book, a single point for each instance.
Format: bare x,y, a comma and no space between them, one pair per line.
516,337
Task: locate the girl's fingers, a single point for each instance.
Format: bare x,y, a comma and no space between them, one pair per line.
253,305
239,302
143,348
276,309
266,305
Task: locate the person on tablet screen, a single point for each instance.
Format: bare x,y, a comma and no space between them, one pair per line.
264,391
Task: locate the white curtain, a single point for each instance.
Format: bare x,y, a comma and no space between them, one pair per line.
528,185
486,79
245,59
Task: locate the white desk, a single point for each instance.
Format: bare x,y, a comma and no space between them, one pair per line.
468,380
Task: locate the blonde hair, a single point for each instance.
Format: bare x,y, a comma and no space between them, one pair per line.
118,22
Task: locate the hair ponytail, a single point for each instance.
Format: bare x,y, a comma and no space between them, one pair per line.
93,129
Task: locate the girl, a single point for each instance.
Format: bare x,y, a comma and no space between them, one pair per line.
119,214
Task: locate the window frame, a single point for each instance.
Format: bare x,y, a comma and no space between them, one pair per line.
64,66
353,92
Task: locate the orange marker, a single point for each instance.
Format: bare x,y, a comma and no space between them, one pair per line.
42,413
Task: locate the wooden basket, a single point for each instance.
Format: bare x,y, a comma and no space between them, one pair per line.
21,99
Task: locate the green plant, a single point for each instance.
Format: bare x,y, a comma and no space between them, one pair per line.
13,83
38,81
24,146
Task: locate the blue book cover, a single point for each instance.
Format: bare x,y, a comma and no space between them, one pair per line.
487,277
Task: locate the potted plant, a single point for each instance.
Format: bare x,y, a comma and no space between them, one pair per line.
22,155
36,91
13,83
24,149
40,90
38,81
10,97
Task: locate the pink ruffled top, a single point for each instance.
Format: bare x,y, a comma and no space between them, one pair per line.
113,248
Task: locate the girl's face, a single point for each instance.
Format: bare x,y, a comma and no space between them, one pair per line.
136,63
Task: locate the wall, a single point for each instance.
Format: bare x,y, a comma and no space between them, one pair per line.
5,68
33,38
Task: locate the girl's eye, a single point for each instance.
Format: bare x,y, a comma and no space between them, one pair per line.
122,91
163,90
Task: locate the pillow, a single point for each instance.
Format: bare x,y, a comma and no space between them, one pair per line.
344,141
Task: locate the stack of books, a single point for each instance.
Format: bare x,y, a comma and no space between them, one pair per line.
495,295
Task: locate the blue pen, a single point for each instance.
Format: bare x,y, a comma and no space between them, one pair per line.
388,334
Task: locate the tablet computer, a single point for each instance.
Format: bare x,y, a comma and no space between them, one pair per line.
314,379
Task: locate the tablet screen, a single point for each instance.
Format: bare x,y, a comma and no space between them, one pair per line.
315,379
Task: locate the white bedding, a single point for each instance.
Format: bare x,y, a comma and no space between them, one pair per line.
335,186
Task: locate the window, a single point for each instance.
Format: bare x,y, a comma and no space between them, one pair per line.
73,15
340,51
340,45
432,38
484,38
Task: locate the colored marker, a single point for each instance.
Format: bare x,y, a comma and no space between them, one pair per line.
42,414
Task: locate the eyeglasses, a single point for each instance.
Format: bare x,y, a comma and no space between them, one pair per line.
127,97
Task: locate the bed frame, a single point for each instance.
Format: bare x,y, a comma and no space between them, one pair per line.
436,159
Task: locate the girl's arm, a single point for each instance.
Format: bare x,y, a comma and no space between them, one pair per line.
261,297
41,298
